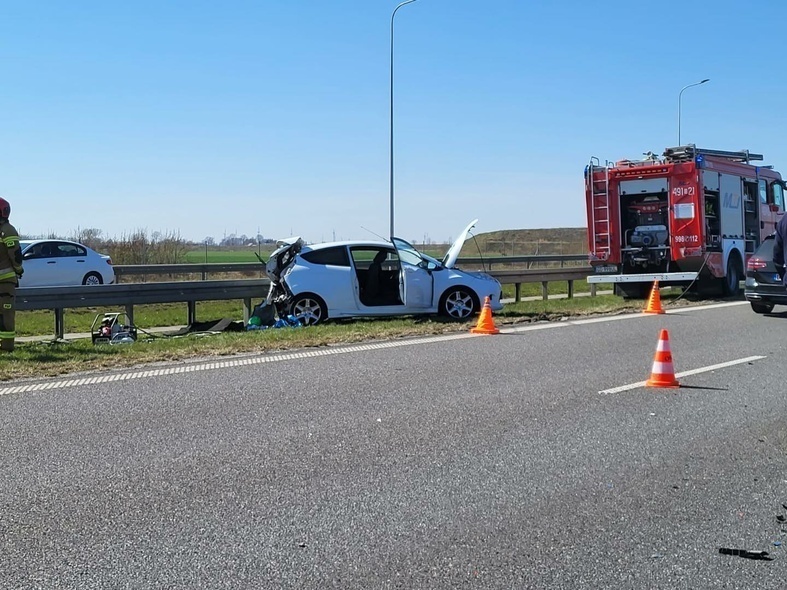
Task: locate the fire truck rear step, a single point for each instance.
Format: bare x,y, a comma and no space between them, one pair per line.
664,277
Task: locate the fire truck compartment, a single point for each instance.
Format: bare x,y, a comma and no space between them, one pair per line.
690,216
645,223
644,185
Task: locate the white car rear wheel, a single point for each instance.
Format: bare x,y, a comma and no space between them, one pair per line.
309,309
92,278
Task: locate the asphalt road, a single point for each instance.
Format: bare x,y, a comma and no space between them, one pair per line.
519,460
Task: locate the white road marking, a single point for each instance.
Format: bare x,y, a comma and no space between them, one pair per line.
191,367
210,365
628,316
710,306
639,384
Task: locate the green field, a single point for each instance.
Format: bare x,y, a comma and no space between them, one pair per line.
514,242
227,255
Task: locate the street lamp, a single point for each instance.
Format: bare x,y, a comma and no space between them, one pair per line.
391,172
679,97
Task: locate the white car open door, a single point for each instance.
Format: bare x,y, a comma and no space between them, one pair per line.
416,284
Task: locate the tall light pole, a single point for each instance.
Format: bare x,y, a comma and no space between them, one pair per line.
680,94
391,172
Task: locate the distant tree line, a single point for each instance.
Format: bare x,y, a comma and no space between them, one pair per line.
235,241
142,247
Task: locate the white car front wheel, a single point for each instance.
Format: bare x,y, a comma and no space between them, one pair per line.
459,303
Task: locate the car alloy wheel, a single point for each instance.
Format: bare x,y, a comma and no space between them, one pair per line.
459,303
92,278
309,309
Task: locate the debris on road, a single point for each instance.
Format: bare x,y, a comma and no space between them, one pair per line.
762,555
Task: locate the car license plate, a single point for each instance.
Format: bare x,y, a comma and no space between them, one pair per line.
606,269
777,278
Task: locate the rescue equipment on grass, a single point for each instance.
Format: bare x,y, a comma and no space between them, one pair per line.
113,328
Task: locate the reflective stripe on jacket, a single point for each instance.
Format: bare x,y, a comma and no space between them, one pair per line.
10,253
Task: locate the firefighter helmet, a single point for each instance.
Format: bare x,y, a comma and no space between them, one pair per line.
5,209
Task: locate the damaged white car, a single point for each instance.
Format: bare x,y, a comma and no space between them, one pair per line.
356,278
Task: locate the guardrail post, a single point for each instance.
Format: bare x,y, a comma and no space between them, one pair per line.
592,289
130,313
60,322
246,310
192,313
544,290
517,292
571,289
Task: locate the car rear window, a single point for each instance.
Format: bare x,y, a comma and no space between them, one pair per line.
336,256
765,250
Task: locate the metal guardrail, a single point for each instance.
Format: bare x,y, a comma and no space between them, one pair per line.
189,292
130,294
212,268
528,260
543,276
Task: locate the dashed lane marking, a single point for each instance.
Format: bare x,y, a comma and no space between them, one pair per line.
639,384
272,358
238,362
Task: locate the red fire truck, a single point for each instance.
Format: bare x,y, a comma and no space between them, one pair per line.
691,217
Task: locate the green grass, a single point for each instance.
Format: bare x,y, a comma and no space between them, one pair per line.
553,288
52,358
42,322
77,320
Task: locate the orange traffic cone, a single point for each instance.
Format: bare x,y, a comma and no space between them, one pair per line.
485,325
663,373
654,301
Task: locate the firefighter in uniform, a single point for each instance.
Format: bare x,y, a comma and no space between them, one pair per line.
10,271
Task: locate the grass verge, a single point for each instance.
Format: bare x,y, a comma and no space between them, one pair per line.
49,358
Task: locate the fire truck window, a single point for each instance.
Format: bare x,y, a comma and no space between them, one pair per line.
763,188
778,196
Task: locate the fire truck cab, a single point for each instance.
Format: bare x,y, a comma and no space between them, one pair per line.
691,217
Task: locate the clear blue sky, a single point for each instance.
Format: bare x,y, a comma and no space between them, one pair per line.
211,118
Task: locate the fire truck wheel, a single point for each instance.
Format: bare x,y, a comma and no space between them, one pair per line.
762,307
732,282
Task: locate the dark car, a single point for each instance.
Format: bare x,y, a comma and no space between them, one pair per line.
764,286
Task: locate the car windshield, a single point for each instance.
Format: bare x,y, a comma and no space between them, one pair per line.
430,259
409,255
